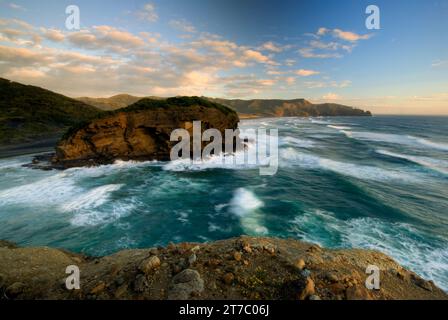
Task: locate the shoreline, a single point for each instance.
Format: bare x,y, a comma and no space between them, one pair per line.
29,148
254,268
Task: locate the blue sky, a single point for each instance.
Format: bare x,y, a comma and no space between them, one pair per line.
319,50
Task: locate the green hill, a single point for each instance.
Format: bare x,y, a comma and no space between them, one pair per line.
289,108
116,102
29,113
255,107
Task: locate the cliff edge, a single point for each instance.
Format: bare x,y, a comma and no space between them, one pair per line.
238,269
141,131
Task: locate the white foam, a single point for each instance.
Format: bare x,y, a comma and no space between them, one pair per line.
107,213
246,205
433,164
339,127
399,240
91,199
432,144
301,143
319,121
46,191
290,156
395,139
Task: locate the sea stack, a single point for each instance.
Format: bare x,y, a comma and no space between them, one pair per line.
140,132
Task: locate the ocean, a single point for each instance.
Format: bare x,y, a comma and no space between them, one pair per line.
343,182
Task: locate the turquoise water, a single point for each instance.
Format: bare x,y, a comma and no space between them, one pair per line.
379,183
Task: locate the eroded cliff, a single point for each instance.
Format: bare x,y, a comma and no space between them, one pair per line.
141,131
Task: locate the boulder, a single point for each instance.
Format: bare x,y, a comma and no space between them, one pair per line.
185,284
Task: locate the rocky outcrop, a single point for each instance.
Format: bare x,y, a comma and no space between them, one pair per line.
234,269
141,131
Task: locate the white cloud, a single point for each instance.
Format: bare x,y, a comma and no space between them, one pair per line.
306,73
439,63
271,46
350,36
148,13
15,6
332,96
182,25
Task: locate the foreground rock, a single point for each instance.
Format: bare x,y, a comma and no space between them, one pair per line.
240,268
141,131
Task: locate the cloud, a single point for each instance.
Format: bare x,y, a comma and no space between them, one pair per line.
328,84
322,31
330,48
148,13
290,62
270,46
349,36
257,56
290,80
24,73
77,63
105,38
306,73
16,6
53,34
310,53
182,25
439,63
332,96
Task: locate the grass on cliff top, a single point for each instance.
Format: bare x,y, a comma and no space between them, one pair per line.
151,104
29,113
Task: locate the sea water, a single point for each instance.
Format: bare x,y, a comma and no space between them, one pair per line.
345,182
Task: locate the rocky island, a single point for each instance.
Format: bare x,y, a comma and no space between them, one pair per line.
139,132
239,268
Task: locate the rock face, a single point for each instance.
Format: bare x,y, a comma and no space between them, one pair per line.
141,131
266,269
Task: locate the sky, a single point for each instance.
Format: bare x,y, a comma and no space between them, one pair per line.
318,50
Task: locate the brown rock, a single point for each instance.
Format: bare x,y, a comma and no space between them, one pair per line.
186,284
121,291
300,264
309,289
247,248
15,289
228,278
147,265
357,292
336,288
98,288
237,256
141,131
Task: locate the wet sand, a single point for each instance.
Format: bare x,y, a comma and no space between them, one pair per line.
42,145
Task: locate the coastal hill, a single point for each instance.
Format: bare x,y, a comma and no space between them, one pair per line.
248,108
141,131
113,103
29,113
234,269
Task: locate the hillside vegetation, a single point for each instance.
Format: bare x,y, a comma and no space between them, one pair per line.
29,113
256,107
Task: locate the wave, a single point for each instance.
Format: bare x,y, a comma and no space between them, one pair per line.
301,143
396,139
290,156
339,127
319,121
46,191
246,205
91,199
433,164
401,241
